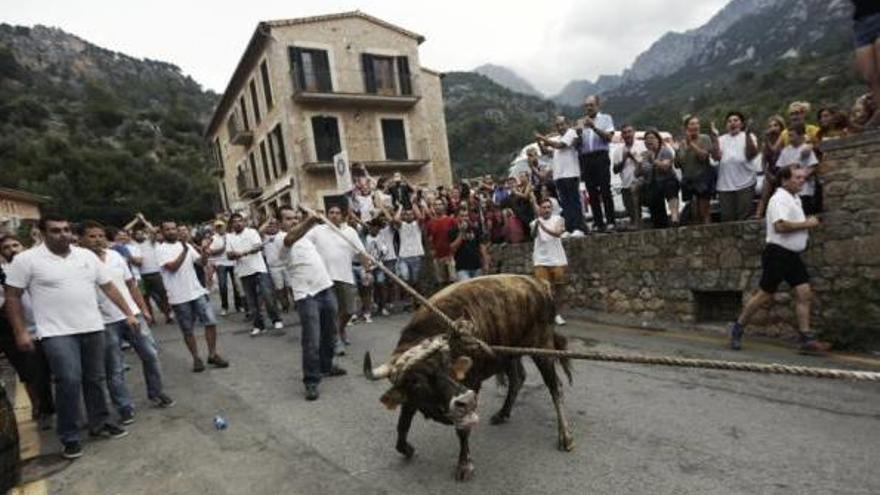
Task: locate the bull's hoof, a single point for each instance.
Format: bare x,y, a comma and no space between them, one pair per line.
406,449
464,472
499,418
566,444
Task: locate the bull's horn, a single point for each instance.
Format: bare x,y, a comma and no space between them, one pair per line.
383,371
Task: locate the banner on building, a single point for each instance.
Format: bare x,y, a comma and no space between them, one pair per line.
342,169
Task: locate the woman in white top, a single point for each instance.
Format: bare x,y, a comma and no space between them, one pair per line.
737,177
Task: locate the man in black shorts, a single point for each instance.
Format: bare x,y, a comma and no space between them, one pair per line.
787,235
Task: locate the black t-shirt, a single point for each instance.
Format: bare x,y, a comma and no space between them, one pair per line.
467,257
864,8
400,194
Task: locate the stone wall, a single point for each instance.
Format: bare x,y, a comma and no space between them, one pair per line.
693,275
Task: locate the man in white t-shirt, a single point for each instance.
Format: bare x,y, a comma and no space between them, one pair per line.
245,247
624,161
548,254
92,237
338,255
566,174
787,235
315,302
61,280
276,260
224,268
145,237
412,250
385,288
799,153
187,297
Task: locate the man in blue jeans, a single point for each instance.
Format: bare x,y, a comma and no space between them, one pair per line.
61,281
245,247
315,301
566,175
92,237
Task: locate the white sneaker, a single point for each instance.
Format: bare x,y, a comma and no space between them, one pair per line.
559,320
385,312
367,318
578,233
256,331
222,312
565,235
279,325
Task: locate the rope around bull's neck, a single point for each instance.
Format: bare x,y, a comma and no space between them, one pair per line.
769,368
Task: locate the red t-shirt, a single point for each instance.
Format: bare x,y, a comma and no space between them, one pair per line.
438,230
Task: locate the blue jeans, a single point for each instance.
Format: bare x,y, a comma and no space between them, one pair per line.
259,285
570,202
145,346
317,314
224,276
466,274
77,363
409,268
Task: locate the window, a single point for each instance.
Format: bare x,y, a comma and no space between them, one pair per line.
255,102
267,85
278,151
265,159
394,138
326,132
218,154
244,115
253,166
224,196
386,75
272,153
311,69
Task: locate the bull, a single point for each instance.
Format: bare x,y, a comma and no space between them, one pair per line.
439,373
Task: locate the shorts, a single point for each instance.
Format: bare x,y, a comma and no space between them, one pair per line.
866,30
700,187
346,294
555,275
410,268
779,264
380,276
198,309
668,186
444,270
279,277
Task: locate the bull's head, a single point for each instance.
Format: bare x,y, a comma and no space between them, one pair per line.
429,378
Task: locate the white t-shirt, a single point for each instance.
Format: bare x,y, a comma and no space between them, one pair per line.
557,210
246,240
135,252
218,241
336,252
791,155
183,285
548,250
565,160
386,237
375,247
364,205
62,289
148,251
784,205
273,250
628,172
735,172
411,240
119,273
307,274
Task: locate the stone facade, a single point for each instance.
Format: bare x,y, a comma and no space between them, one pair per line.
248,182
688,276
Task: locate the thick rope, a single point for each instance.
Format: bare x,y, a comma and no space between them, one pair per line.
771,368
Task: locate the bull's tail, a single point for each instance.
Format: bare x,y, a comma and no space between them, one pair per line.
560,343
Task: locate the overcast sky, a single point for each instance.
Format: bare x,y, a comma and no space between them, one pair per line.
547,42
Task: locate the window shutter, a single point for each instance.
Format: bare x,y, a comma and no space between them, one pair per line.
296,67
404,75
322,67
394,137
369,73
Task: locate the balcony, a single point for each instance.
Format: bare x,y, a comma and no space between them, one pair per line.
246,187
371,153
349,87
237,133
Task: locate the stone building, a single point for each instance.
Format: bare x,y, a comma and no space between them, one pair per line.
17,208
310,87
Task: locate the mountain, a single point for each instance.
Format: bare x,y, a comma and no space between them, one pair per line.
575,91
507,78
101,133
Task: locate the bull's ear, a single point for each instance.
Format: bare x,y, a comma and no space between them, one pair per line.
393,398
460,367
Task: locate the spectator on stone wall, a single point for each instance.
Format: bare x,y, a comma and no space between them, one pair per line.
595,131
698,176
833,123
653,168
624,162
769,158
566,174
797,114
735,151
866,27
800,154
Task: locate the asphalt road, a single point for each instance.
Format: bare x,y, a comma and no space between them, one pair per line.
638,429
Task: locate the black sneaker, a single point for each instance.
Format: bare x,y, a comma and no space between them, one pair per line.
218,362
736,335
162,401
198,366
109,431
335,371
72,450
126,416
312,392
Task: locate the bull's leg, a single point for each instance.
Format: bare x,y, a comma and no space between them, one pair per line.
404,422
516,376
548,372
465,469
